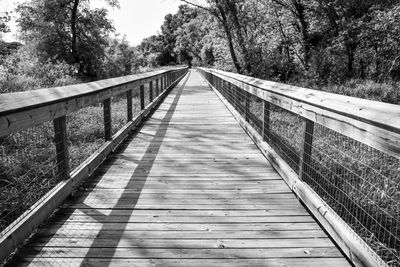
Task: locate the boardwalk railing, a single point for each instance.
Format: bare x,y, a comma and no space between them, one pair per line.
52,139
339,154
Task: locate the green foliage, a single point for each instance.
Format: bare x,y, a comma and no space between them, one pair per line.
23,70
66,30
120,59
4,19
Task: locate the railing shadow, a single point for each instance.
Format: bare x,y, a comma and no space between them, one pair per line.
138,184
131,192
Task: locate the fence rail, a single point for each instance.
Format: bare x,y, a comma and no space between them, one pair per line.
52,139
339,154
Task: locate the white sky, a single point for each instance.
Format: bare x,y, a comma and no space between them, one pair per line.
137,19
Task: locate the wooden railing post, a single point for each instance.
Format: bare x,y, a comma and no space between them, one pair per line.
151,91
107,119
129,105
247,105
266,120
223,91
306,148
157,87
141,92
60,139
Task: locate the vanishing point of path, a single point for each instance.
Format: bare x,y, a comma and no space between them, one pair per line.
189,188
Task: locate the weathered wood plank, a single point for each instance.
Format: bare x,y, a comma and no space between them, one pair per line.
374,123
189,253
345,237
184,193
22,110
151,261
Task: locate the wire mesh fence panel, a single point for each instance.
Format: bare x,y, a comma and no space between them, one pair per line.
285,135
146,94
135,101
362,185
255,112
85,133
119,112
28,170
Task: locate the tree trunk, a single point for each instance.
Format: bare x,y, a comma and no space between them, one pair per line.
300,13
74,49
228,33
350,59
231,6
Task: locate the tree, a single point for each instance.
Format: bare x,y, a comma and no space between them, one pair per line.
163,48
4,19
67,30
120,58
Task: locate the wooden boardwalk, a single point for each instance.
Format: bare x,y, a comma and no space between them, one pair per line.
189,188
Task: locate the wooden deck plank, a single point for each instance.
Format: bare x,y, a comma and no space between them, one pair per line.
270,262
188,189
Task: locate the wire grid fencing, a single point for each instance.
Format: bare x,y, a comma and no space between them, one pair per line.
28,170
360,183
28,161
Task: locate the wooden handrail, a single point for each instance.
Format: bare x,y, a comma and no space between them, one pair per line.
21,110
374,123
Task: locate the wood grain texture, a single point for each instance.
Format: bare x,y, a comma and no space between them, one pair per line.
351,244
374,123
22,110
39,212
183,191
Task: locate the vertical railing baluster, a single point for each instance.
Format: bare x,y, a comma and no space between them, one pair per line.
151,91
247,105
129,105
141,92
306,149
60,139
266,121
157,87
107,119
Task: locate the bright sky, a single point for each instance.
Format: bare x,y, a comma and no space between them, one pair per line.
137,19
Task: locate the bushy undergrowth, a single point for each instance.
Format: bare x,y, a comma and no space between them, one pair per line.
24,70
366,89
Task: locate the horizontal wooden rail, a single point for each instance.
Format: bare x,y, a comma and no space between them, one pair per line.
19,111
22,110
373,123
